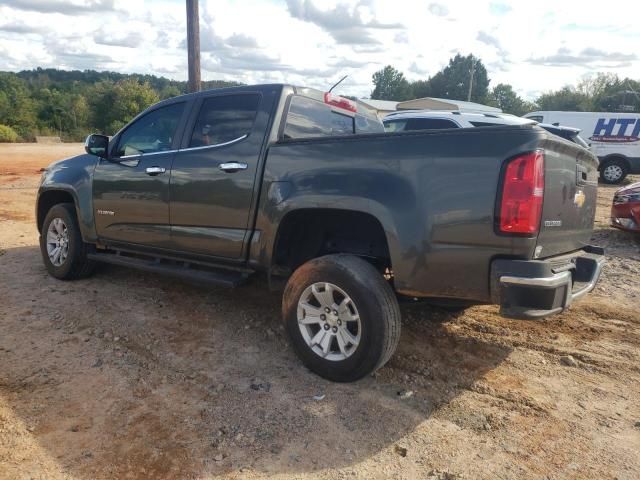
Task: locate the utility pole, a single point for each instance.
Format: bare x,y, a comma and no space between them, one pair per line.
193,45
472,72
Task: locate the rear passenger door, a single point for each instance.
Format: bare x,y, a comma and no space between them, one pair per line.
213,175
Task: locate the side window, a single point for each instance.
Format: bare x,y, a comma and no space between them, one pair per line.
429,124
368,125
535,118
223,119
310,118
484,124
395,126
154,132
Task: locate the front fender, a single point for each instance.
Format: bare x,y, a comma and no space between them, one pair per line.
73,176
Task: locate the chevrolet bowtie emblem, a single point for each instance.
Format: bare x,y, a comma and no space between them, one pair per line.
579,198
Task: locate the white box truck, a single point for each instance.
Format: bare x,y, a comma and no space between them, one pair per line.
614,138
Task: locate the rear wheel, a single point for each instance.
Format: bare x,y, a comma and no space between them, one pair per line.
63,251
342,317
613,171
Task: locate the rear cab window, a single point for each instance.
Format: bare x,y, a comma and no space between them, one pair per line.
309,117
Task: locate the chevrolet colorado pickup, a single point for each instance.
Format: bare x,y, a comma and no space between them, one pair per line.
306,188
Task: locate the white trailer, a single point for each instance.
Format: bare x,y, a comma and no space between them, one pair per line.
614,138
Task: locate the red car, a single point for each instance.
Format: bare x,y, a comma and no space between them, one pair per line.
625,211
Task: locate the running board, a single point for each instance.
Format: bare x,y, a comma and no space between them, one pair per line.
184,270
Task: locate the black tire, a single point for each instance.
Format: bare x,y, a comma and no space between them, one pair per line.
76,265
613,171
376,304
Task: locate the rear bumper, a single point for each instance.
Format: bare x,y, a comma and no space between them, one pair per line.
530,289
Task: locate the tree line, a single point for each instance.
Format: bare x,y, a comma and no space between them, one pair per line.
599,93
71,104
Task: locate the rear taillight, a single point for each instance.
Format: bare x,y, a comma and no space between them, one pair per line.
522,194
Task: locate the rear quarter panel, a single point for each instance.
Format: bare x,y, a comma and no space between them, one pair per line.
433,192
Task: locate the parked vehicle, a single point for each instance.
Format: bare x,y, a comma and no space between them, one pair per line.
408,120
568,133
614,139
411,120
306,188
625,211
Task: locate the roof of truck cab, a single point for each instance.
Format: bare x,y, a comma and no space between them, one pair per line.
238,88
299,90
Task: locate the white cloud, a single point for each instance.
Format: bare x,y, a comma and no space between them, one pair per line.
535,46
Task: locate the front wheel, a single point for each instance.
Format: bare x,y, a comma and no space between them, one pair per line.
63,251
342,317
613,171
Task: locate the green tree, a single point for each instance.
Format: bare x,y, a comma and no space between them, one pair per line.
504,97
453,80
170,91
608,92
566,99
390,84
16,105
73,103
79,108
116,104
7,134
421,89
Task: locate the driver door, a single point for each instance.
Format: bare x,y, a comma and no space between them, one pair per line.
131,189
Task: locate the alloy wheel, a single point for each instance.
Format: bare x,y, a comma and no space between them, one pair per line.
57,242
329,321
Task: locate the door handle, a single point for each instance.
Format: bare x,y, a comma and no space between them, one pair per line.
155,170
232,167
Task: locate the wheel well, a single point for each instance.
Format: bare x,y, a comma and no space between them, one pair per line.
608,158
309,233
49,199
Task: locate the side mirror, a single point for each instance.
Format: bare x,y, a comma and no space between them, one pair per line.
97,145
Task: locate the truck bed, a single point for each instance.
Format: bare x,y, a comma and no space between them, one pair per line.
435,193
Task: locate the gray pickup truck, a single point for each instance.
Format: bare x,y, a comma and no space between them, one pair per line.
307,189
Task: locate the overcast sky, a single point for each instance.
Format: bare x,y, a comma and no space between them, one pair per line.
535,45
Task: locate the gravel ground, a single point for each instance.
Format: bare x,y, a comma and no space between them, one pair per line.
131,375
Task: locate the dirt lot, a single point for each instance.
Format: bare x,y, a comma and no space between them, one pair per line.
128,375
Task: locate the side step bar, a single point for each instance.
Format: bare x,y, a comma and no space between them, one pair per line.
184,270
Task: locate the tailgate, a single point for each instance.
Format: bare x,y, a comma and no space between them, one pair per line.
570,195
